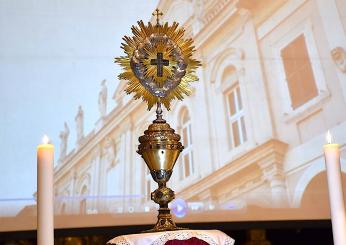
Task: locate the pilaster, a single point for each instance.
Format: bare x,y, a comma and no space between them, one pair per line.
273,172
335,34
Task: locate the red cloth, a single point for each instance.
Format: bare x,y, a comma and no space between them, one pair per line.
191,241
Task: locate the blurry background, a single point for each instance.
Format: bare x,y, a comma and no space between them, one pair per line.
273,81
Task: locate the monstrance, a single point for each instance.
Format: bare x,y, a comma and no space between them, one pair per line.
159,67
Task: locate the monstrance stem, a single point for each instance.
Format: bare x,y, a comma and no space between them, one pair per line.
159,111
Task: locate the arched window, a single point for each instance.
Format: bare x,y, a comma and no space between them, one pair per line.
235,108
187,167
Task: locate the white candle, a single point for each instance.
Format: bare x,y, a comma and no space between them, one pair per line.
336,199
45,215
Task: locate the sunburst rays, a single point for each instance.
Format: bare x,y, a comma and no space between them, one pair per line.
141,37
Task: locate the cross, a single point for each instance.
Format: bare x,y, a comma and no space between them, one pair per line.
159,62
157,13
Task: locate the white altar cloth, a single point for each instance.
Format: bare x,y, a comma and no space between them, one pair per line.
212,237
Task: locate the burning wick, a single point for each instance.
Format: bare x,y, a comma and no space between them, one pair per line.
329,137
45,139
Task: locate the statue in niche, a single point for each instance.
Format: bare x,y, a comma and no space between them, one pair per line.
109,151
199,10
103,99
79,119
63,141
339,57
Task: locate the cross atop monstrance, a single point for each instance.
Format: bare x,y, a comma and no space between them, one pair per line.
157,13
159,62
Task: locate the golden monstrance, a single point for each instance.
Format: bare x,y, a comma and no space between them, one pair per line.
159,67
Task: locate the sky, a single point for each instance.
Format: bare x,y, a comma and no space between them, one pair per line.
53,56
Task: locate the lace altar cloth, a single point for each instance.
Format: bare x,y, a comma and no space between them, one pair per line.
212,237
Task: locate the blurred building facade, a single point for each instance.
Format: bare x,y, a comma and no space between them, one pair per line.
273,81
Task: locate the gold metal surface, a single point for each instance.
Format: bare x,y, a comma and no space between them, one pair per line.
157,159
147,42
160,146
159,67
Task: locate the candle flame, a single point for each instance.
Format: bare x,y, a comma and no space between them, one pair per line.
45,139
329,137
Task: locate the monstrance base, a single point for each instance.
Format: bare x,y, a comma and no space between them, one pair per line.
164,222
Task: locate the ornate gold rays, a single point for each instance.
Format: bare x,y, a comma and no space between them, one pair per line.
158,64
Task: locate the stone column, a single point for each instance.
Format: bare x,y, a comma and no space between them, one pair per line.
130,174
72,192
273,172
96,178
123,168
201,132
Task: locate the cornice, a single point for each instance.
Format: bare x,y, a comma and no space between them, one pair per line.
252,157
230,10
116,117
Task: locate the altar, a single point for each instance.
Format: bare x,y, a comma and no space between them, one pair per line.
179,237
